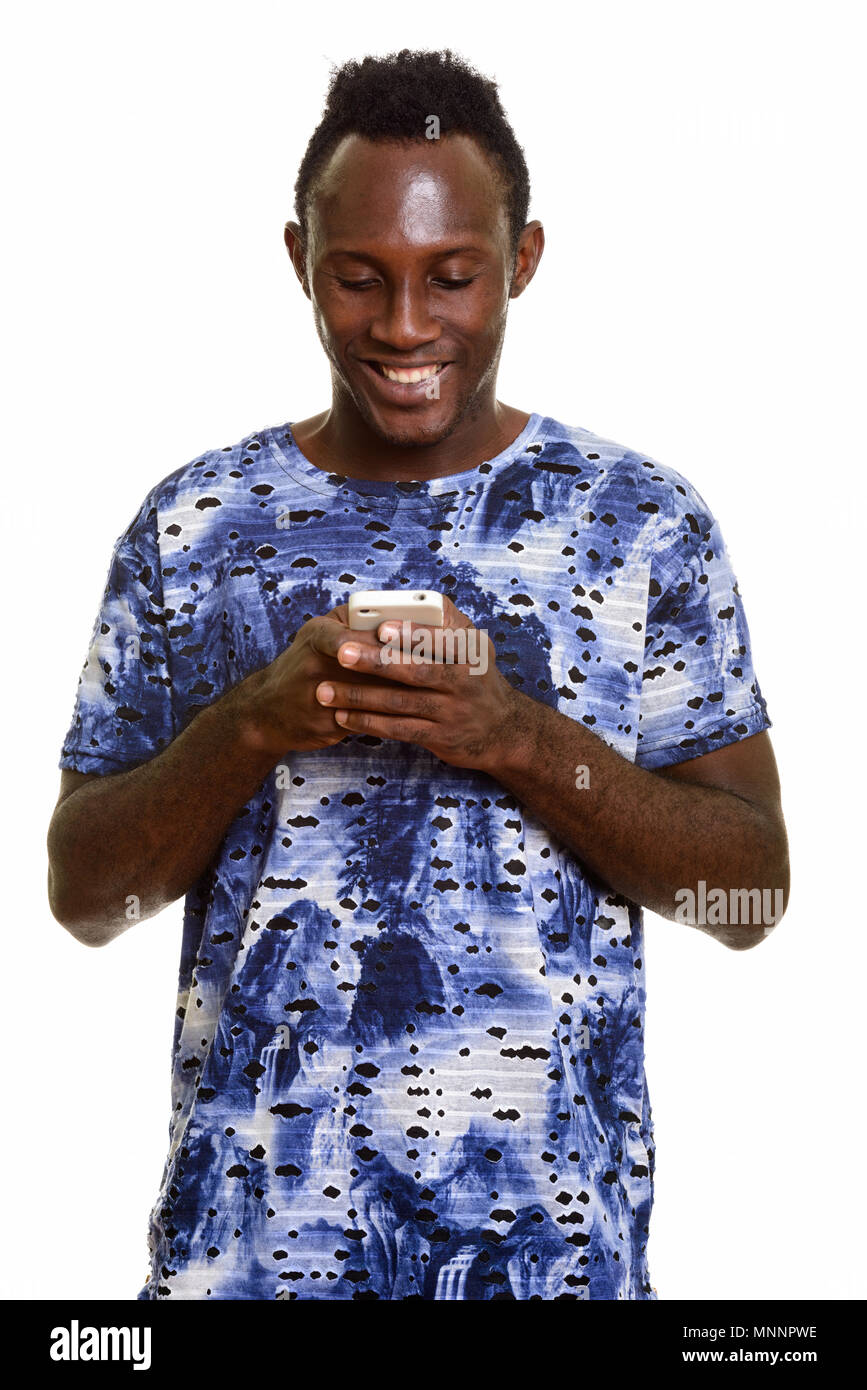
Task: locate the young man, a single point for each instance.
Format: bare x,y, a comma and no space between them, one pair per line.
408,1055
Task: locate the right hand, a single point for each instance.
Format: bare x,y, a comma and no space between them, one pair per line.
279,701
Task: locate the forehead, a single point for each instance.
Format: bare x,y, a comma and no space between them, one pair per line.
419,192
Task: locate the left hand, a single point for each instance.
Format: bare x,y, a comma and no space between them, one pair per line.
464,713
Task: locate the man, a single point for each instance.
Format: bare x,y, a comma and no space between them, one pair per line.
408,1056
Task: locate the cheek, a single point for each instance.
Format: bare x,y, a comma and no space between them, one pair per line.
484,335
333,320
484,320
332,329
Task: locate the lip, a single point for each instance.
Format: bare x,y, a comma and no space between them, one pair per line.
399,392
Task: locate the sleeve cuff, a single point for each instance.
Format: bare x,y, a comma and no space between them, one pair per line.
753,720
83,760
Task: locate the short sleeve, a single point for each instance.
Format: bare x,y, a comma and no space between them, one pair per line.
699,689
123,712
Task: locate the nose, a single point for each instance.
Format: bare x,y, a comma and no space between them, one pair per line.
403,319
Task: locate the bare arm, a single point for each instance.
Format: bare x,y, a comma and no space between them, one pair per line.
152,831
647,834
651,835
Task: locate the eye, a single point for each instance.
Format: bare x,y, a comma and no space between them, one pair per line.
455,284
355,284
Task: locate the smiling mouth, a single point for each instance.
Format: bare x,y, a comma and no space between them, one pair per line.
408,375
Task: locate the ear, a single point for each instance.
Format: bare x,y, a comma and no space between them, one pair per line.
293,238
527,257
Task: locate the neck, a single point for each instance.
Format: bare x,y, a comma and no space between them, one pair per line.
340,440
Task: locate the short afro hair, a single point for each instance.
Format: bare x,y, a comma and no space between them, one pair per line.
393,98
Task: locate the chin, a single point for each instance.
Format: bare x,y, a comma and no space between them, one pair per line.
417,429
414,436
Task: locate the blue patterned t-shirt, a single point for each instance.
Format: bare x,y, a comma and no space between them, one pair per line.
408,1051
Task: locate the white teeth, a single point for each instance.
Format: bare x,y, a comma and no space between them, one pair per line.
415,374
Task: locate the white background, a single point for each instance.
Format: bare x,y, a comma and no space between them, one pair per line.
698,169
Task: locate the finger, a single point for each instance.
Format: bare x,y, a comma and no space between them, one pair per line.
406,628
381,726
402,668
436,662
386,699
329,637
452,615
401,636
371,659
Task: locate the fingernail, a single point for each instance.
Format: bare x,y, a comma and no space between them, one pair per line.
348,654
325,693
341,716
387,632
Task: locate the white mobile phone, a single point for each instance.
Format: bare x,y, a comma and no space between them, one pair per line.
371,607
